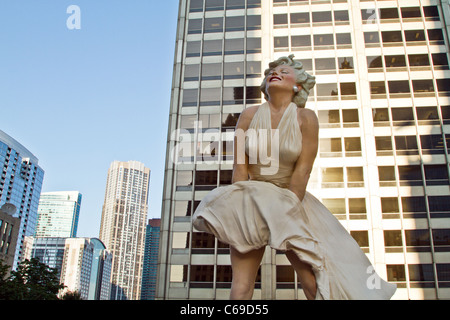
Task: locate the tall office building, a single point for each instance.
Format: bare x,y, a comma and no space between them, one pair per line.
149,272
58,214
20,184
382,99
122,229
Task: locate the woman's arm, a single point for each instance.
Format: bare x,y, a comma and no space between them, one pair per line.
240,165
310,142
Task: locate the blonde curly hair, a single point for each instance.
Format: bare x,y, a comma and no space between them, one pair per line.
304,79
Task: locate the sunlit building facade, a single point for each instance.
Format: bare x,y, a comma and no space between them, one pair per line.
58,214
382,99
123,223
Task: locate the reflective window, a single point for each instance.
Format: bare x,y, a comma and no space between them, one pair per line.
234,46
436,174
212,5
195,26
233,70
395,61
386,176
213,25
193,49
300,17
391,36
212,47
235,23
406,145
410,175
212,71
253,22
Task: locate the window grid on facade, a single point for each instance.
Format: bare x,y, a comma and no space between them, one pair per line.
382,100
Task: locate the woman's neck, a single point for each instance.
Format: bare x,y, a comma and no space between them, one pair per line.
279,102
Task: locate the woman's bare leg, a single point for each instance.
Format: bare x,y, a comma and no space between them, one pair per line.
245,268
305,275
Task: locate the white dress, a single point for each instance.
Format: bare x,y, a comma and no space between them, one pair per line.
262,211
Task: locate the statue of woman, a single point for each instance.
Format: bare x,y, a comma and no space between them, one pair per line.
267,204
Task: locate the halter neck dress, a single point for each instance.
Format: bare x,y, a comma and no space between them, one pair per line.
262,211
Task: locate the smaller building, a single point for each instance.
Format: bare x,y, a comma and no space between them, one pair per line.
9,233
58,214
149,272
83,264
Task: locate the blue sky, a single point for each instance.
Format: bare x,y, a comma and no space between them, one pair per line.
80,99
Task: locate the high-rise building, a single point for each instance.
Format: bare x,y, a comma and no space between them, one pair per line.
58,214
149,272
20,184
83,264
123,222
382,99
9,232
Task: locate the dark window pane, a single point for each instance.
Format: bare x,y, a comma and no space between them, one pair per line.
391,36
380,114
388,13
348,88
418,60
443,85
396,272
213,25
341,15
440,59
361,237
212,47
423,85
434,141
350,115
280,19
301,17
193,48
417,237
211,5
234,46
392,238
377,87
196,6
400,86
411,12
235,23
323,40
413,204
386,173
427,113
301,41
413,173
371,37
389,205
439,205
253,22
374,62
431,11
190,97
399,114
421,272
321,16
435,34
414,35
405,142
195,26
436,174
383,143
395,61
343,38
281,42
253,45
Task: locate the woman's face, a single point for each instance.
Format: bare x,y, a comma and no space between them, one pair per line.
281,77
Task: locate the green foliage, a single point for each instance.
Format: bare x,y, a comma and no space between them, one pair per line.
32,280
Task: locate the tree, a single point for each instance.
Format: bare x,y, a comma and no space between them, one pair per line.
32,280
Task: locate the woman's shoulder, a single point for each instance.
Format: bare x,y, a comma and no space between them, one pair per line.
308,119
247,115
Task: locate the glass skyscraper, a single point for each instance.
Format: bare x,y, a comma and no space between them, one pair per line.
20,184
58,214
382,99
123,223
150,266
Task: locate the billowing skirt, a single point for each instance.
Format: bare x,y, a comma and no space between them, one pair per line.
251,214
